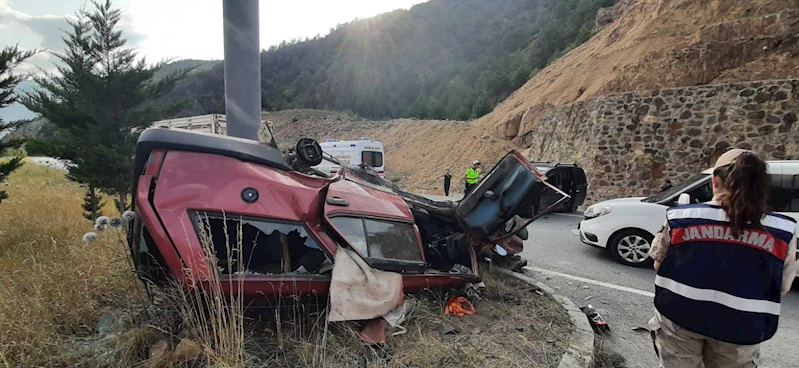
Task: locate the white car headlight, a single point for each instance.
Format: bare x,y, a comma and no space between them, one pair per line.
596,211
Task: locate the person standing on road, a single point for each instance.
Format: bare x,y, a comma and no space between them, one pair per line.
472,176
722,268
447,182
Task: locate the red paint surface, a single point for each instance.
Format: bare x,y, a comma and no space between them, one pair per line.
367,202
189,181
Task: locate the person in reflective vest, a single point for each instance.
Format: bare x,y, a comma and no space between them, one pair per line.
722,268
472,176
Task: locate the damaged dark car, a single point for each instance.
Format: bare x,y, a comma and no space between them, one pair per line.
213,208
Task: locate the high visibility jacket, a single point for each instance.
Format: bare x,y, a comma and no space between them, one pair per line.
472,175
720,286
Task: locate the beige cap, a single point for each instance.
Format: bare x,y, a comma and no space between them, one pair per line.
729,157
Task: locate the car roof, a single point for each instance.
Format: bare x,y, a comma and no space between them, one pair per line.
193,141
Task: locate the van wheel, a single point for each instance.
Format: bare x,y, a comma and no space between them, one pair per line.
631,247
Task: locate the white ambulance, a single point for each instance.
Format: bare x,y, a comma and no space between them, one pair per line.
364,151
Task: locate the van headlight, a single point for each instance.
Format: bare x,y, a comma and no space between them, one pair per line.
596,211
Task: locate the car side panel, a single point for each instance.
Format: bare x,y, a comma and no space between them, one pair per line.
645,216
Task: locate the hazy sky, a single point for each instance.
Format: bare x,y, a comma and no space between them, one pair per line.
174,29
183,29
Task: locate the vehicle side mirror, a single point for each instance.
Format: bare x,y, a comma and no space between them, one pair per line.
309,151
684,199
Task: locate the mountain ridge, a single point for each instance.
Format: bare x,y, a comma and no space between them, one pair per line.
443,59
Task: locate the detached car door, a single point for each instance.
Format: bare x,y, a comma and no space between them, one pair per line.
502,204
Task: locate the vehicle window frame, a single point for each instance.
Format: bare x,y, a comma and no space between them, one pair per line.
412,233
367,256
367,156
196,215
794,205
708,193
684,186
781,193
373,157
348,239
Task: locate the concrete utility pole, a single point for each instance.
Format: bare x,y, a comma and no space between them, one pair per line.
242,68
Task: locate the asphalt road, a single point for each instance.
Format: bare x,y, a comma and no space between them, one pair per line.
623,295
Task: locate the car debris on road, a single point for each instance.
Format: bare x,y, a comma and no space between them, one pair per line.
598,323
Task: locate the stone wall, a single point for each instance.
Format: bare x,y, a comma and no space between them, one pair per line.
630,143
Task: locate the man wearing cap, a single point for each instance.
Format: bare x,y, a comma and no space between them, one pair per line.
722,268
472,176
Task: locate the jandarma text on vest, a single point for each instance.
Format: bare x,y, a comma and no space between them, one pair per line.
753,238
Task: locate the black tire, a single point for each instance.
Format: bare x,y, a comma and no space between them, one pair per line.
631,247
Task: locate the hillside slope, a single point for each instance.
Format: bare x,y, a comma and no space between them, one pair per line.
418,152
644,44
639,45
657,44
442,59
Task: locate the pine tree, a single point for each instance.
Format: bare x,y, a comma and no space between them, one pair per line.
10,57
100,99
482,106
92,204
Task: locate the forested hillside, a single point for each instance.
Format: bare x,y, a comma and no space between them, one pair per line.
196,66
444,59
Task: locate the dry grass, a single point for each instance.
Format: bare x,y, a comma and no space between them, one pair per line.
605,358
54,290
513,327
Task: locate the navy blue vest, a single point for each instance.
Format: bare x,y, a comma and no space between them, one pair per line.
720,286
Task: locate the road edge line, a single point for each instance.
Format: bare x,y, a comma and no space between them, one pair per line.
580,353
531,270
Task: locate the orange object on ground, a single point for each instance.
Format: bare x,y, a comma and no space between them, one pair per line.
374,331
459,306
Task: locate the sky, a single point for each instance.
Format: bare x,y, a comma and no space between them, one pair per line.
176,29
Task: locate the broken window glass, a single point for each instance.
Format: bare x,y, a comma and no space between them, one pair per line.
259,246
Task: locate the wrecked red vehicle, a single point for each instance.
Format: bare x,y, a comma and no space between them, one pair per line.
274,224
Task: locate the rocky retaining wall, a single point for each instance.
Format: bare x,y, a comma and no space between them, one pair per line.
630,143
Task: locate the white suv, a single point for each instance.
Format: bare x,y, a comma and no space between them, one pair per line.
626,226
